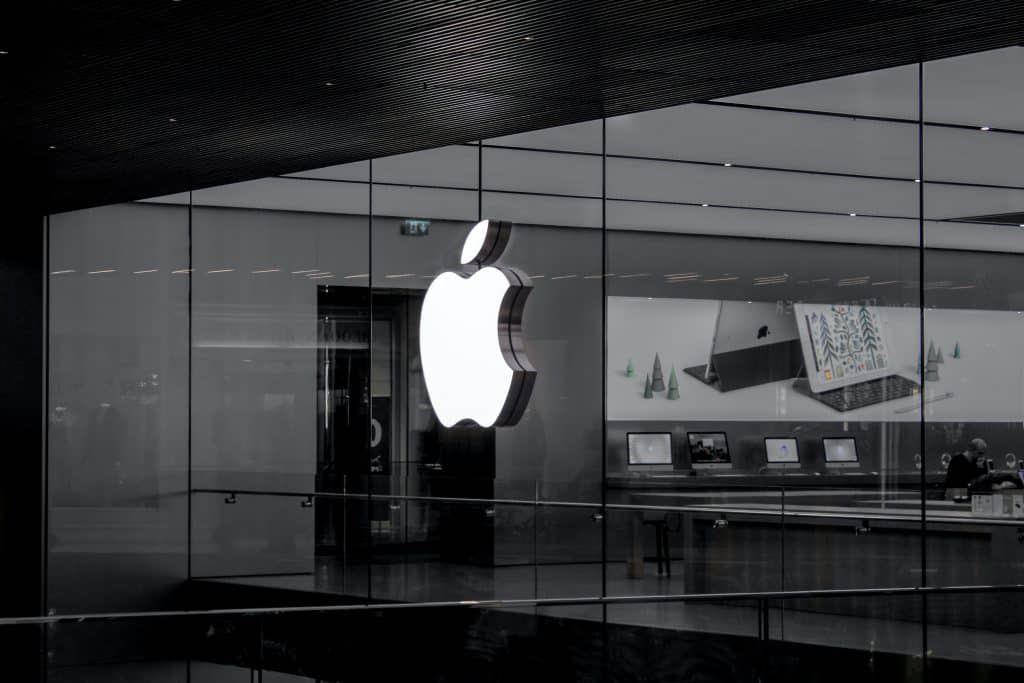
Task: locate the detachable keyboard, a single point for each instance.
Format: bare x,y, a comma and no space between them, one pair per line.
863,393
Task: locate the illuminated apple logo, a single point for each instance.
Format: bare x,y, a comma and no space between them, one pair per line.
473,359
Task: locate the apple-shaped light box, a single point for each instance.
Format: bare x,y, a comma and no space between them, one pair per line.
471,349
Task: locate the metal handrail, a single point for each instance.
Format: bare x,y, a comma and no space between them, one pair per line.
526,602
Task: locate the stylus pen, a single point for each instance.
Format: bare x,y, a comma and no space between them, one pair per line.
933,399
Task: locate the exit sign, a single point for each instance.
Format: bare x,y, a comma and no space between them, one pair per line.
411,226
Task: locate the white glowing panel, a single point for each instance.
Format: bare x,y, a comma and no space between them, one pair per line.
465,371
474,361
474,243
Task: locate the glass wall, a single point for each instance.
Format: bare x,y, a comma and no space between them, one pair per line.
752,359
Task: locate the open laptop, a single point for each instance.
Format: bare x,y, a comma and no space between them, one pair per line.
649,451
847,357
840,452
781,453
755,342
709,450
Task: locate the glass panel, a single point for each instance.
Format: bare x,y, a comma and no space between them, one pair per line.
118,408
762,335
506,541
974,209
279,372
878,638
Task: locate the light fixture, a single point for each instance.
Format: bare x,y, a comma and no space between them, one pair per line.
705,205
917,180
173,120
472,356
527,38
329,84
220,270
986,128
143,272
4,52
853,215
727,164
53,146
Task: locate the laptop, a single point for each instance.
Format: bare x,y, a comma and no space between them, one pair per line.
755,342
847,356
709,450
782,453
649,451
840,452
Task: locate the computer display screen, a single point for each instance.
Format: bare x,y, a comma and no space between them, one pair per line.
840,450
649,448
842,344
782,450
708,448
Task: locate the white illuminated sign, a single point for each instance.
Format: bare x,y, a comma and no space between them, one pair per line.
473,359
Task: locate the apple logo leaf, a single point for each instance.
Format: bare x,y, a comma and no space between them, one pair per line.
471,347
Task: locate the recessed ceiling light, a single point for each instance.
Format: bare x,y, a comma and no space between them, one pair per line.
704,205
527,38
173,120
853,215
4,52
727,164
53,146
329,83
986,128
917,180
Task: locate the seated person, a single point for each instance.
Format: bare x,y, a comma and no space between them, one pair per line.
965,467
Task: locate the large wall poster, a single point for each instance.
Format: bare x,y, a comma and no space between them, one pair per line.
976,369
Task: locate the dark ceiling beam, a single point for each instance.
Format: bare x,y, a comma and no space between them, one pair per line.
246,82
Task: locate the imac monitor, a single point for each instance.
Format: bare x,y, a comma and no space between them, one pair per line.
754,342
841,452
709,450
782,453
649,450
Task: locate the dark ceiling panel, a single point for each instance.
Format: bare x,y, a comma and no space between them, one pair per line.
247,82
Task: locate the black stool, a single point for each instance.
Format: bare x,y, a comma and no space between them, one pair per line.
662,554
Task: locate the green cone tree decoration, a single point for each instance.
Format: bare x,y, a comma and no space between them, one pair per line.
630,370
648,392
657,379
673,386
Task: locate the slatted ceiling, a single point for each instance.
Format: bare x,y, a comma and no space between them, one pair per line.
246,80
